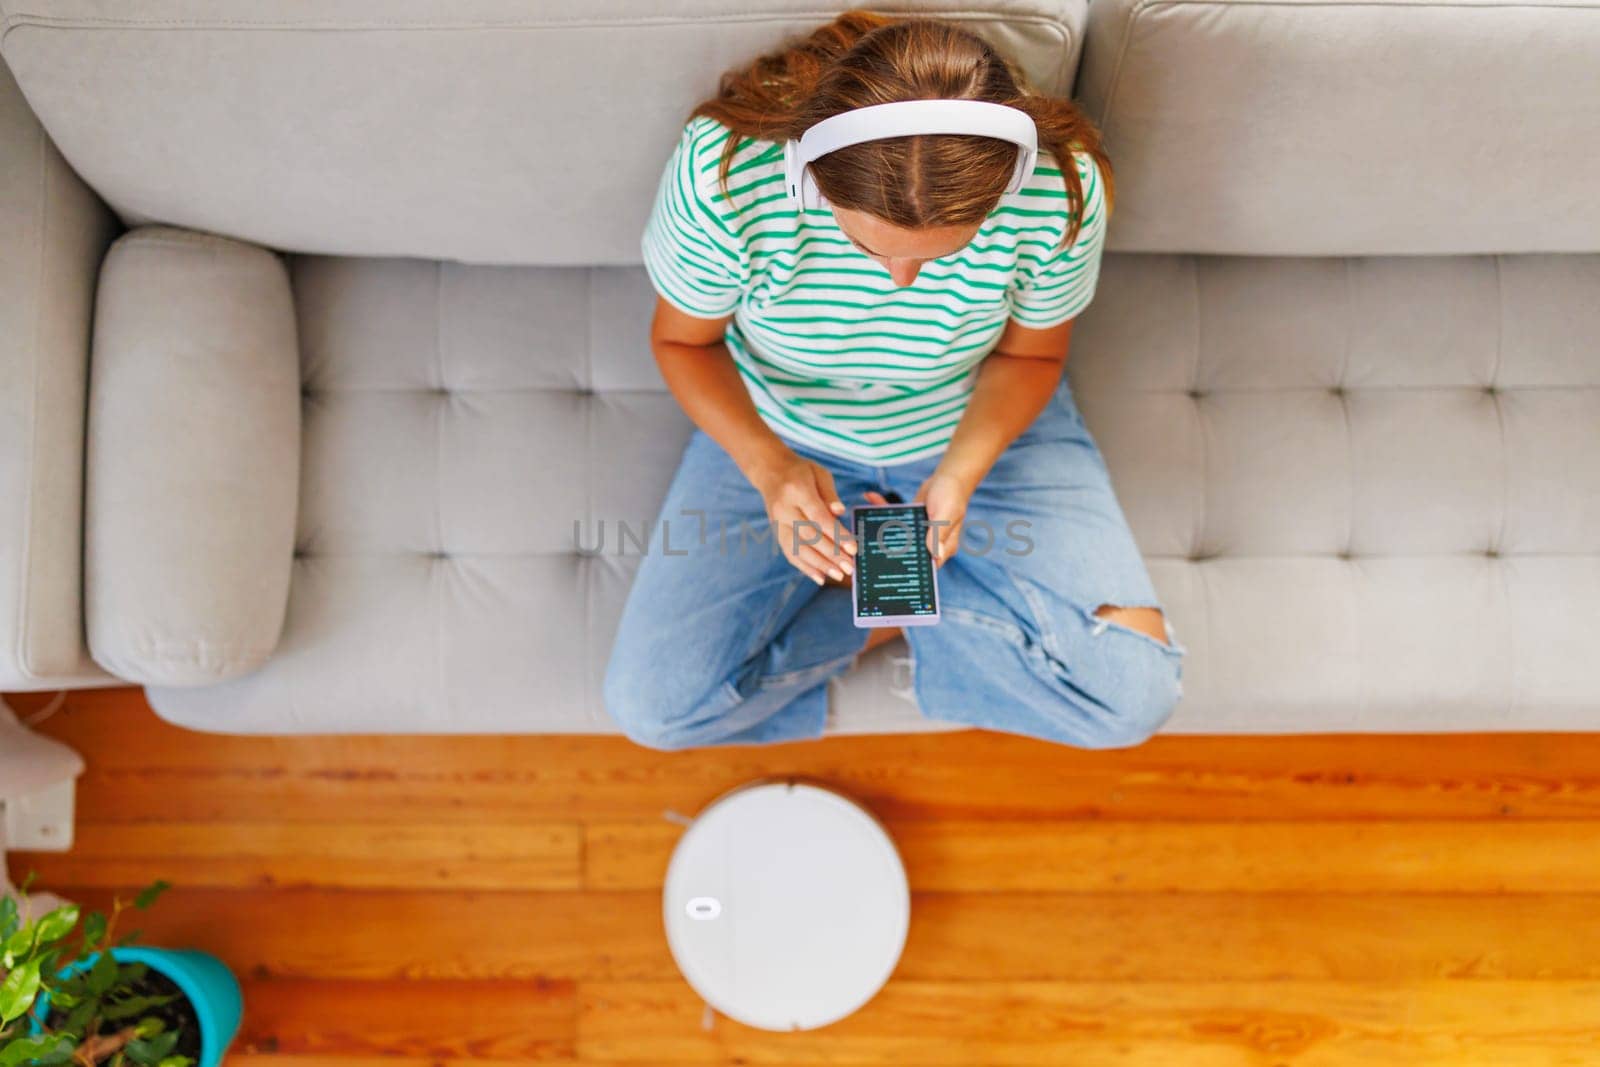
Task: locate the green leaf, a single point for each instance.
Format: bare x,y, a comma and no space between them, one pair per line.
125,1009
9,918
21,985
129,938
94,931
103,975
149,1027
131,973
176,1061
150,894
75,986
150,1052
23,1049
58,1056
47,1048
18,945
60,998
78,1018
56,925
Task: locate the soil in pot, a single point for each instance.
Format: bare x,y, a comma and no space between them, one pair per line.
178,1014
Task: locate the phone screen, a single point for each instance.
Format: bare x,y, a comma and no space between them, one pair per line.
894,569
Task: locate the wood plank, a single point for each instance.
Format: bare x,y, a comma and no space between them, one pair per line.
460,856
276,1059
1139,1024
1069,936
375,935
146,769
1246,937
1210,902
1333,856
431,1021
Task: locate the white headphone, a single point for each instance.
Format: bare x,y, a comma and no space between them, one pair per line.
904,118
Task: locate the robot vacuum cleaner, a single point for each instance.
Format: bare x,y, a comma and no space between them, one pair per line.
786,905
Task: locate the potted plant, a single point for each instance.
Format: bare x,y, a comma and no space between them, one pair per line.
94,998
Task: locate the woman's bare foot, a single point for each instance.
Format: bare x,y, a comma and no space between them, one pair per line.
881,635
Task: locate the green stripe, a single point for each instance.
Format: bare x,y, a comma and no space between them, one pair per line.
865,349
846,339
944,405
817,320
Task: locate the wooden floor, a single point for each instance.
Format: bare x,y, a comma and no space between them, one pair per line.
1190,903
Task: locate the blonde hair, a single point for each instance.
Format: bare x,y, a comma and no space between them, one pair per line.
926,180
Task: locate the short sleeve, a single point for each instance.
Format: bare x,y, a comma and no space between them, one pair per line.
691,251
1062,286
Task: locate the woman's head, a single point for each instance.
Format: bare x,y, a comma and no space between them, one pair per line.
902,200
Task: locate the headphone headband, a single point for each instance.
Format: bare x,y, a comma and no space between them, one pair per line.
905,118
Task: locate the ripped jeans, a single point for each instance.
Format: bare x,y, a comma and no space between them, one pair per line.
722,641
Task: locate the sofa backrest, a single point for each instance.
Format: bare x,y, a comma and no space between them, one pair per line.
534,131
489,131
1348,127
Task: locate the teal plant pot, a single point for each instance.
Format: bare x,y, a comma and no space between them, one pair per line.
203,979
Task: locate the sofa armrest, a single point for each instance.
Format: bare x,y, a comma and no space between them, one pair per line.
193,458
53,233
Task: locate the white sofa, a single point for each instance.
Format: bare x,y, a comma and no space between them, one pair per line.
368,361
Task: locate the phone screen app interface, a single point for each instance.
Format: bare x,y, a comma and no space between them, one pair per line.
894,570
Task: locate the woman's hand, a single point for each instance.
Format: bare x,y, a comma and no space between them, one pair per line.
803,508
945,495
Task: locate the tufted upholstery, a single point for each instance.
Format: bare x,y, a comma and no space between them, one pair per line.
1365,488
1368,489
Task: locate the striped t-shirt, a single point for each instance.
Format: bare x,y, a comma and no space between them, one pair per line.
834,354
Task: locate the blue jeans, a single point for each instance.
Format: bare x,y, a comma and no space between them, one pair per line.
723,641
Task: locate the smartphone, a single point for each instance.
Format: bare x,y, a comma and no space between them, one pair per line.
896,583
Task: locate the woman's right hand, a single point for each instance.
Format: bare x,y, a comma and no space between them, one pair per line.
804,509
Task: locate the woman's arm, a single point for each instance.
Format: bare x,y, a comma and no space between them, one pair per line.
700,372
1015,382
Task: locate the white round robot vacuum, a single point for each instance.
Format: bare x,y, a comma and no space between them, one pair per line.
786,905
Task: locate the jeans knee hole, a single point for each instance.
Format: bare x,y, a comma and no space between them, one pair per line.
1099,624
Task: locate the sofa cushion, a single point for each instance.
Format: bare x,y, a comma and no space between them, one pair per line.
193,459
1367,491
1346,127
489,131
52,234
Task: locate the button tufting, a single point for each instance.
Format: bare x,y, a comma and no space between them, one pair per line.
1492,553
1196,394
1337,390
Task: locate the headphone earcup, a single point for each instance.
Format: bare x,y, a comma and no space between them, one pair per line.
791,180
811,198
1023,170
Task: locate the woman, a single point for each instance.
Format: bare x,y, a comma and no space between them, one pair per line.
906,338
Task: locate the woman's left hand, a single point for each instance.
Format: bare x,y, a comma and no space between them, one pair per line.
946,497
